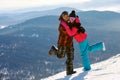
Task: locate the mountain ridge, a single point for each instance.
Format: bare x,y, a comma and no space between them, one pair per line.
103,20
17,17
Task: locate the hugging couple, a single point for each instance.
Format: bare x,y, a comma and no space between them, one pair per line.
69,28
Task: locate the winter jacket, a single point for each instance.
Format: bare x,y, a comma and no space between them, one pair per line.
79,37
77,20
64,39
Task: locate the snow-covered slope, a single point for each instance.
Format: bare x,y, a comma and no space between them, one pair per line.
105,70
2,27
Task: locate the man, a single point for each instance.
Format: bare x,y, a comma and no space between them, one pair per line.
65,45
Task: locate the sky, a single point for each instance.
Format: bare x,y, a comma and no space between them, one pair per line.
101,5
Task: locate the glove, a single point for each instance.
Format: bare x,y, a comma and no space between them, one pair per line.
82,30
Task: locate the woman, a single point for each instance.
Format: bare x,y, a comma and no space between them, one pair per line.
80,36
65,45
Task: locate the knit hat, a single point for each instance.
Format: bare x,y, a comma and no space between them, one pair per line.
72,14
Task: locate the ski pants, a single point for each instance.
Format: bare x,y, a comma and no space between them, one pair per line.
85,48
69,53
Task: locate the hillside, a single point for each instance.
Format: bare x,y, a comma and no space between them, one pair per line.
105,70
24,47
106,20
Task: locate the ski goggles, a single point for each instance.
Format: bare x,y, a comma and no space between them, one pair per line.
72,18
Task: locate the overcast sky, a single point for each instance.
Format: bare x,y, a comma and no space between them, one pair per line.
112,5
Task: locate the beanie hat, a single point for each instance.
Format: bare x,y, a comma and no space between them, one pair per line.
72,14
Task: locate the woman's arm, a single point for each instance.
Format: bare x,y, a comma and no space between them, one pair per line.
69,31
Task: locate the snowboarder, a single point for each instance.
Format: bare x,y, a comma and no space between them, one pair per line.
79,34
65,45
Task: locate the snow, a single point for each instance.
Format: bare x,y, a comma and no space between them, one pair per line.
2,27
1,54
35,35
105,70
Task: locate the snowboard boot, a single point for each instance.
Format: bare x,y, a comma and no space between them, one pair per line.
86,69
52,51
69,70
70,73
104,48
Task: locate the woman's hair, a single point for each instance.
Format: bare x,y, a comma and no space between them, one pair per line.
75,24
62,14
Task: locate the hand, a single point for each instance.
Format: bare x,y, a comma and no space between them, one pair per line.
82,29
